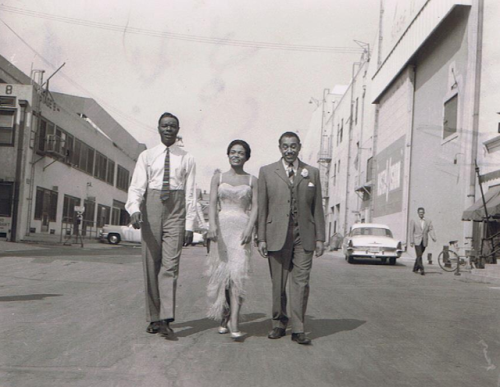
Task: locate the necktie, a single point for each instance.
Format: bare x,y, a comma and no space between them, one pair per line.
165,189
291,173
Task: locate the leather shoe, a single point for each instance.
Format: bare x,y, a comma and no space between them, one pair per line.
422,272
277,333
301,338
165,330
152,327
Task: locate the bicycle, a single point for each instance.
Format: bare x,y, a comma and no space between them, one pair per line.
449,259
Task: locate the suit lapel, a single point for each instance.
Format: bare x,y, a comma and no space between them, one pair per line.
299,177
279,169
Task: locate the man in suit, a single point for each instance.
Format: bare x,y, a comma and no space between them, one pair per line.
162,203
291,227
419,237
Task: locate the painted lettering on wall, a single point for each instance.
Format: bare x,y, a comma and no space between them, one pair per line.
388,198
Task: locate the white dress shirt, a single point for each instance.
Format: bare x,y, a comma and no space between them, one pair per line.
148,173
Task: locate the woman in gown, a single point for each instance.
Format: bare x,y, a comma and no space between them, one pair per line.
232,216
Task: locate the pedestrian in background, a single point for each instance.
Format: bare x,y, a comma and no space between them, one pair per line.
419,237
164,177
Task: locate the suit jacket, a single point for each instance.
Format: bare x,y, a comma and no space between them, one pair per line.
275,202
419,234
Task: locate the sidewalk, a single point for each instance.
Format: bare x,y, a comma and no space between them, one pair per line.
55,239
490,274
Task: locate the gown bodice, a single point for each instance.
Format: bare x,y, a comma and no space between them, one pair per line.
235,197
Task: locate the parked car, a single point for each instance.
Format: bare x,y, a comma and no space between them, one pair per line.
369,240
116,234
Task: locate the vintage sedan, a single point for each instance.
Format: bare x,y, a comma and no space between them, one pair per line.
369,240
116,234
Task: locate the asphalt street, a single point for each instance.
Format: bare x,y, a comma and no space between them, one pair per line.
75,317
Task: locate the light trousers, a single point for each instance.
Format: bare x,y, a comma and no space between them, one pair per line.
163,231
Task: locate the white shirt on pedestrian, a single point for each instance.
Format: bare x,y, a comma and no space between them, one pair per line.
148,174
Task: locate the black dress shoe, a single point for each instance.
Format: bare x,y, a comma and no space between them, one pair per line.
165,330
277,333
301,338
423,272
153,327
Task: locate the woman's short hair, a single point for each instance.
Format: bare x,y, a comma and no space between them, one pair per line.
167,114
244,144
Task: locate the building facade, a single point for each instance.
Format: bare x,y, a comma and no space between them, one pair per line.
59,153
427,98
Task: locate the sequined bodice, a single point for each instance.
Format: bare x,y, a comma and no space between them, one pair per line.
235,197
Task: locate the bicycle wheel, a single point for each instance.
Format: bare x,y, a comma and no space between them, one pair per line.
451,264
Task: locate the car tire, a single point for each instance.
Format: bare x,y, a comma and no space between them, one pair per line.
350,259
384,260
114,239
392,261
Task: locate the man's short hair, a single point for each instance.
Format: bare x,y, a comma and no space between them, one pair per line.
421,208
167,114
289,134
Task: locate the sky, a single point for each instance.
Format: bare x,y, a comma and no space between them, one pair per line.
197,59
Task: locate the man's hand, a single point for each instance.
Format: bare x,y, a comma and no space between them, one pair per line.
136,220
320,248
188,238
263,249
212,234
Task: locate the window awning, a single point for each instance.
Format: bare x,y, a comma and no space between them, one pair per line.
476,211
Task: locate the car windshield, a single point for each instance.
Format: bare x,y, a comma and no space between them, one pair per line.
375,231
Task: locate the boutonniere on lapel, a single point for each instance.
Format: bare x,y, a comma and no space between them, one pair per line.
304,173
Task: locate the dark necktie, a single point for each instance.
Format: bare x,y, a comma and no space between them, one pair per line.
165,189
291,173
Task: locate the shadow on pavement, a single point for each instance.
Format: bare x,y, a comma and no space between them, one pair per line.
326,327
28,297
188,328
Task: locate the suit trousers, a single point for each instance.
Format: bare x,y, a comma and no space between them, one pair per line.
163,230
419,250
294,260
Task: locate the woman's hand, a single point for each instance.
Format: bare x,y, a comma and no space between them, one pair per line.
212,234
246,237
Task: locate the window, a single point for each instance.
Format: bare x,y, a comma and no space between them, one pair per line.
356,111
45,204
7,127
89,168
334,173
122,178
369,167
101,163
42,133
69,208
450,117
110,176
341,130
69,148
6,190
88,215
103,214
120,216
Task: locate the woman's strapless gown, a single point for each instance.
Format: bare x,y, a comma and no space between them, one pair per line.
229,259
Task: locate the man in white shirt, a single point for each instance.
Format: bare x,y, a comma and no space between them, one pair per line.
162,203
419,237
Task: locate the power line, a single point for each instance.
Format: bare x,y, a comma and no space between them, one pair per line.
81,88
183,37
